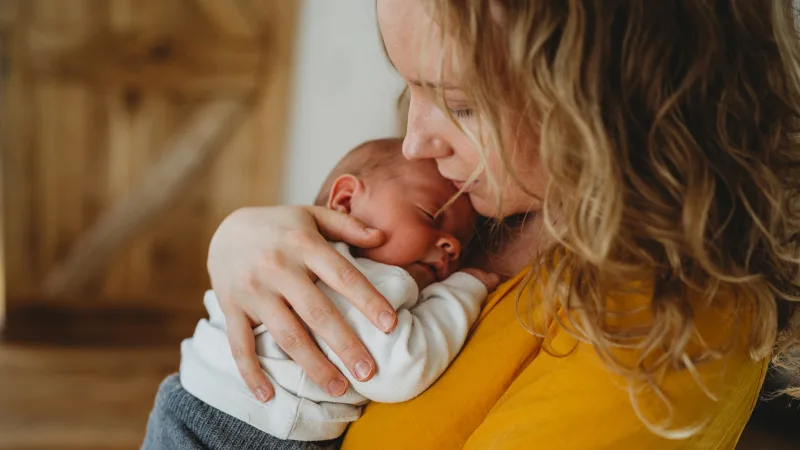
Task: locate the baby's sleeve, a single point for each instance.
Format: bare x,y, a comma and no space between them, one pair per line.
431,329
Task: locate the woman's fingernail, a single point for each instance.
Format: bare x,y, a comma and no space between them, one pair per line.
386,319
336,387
261,394
362,370
370,230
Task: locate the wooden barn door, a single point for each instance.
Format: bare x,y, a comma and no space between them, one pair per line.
131,129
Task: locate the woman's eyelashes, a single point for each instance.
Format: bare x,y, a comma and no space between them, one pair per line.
460,108
461,113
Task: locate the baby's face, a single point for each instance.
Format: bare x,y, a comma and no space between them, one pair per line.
404,207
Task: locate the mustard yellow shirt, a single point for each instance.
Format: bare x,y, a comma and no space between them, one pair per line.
504,392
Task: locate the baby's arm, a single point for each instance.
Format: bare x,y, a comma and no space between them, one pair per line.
431,329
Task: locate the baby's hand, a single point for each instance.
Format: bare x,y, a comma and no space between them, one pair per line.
491,280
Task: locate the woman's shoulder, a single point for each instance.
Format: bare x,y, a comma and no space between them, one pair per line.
574,402
703,400
689,371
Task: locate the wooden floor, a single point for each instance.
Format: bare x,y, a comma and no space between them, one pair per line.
92,398
78,398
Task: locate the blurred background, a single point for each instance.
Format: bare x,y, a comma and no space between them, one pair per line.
130,129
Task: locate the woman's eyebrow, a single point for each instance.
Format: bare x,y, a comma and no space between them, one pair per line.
432,85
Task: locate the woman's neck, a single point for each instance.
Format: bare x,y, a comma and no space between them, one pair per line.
512,245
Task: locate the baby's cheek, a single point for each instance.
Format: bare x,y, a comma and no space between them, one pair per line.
402,247
414,242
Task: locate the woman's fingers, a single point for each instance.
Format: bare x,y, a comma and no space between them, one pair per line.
294,339
342,277
319,313
266,255
337,226
242,343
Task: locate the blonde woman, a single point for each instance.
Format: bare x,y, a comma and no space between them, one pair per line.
639,157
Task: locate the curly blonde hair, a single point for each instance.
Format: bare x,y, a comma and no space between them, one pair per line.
667,129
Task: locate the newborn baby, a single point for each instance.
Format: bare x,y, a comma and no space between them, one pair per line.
416,269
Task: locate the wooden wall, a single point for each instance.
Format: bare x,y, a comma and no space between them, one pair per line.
133,128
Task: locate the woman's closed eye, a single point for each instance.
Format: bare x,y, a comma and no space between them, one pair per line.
461,113
460,108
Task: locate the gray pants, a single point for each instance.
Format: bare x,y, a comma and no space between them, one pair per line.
180,421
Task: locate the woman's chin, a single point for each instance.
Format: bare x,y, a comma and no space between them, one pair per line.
489,207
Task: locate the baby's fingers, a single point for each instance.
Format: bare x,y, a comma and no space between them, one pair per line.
490,280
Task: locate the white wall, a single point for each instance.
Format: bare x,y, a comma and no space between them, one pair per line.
344,92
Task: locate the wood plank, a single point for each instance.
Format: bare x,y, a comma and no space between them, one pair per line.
73,128
83,398
152,60
257,150
234,17
99,322
181,239
120,155
19,157
7,15
192,148
80,147
46,173
121,13
3,145
136,271
94,199
8,12
149,134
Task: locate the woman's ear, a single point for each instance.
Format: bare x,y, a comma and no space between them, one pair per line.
342,192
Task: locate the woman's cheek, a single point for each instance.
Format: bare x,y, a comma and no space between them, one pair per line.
487,203
483,206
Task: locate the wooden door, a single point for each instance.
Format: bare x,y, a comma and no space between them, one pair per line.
132,128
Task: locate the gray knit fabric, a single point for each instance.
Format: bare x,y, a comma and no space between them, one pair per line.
180,421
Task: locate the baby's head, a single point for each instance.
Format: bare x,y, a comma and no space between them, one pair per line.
376,184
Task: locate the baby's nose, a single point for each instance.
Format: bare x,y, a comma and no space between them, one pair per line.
451,247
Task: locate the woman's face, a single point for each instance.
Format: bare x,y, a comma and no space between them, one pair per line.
407,32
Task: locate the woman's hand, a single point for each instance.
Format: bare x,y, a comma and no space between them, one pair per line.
263,263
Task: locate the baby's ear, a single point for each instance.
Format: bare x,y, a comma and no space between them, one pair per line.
342,192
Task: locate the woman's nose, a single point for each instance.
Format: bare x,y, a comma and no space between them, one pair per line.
423,139
451,247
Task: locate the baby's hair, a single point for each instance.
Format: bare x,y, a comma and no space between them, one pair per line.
379,156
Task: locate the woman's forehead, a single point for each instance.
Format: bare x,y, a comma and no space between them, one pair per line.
414,45
401,17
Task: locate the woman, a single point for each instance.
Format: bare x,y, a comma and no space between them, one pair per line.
640,154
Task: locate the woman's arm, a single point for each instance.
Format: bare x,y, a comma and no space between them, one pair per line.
263,263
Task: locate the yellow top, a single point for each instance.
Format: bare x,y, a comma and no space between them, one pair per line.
502,392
